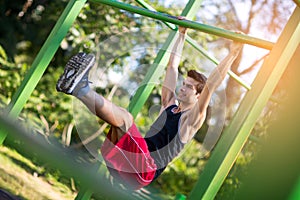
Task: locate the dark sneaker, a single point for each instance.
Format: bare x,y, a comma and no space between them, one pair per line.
75,75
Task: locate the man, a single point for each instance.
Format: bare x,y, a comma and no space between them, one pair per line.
133,160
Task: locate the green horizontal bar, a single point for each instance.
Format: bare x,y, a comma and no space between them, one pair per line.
190,24
147,6
197,47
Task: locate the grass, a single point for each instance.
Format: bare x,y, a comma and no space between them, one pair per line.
24,179
21,177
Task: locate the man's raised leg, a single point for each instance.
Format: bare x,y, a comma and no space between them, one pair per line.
107,111
75,81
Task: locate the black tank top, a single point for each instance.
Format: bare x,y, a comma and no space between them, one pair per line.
163,139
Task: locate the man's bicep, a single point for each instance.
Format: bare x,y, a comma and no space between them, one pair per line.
170,79
195,121
203,100
199,112
167,97
195,113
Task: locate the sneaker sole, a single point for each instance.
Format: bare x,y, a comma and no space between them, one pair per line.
63,85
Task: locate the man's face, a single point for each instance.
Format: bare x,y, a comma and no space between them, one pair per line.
187,92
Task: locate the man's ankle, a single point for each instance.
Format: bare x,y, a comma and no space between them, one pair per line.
81,91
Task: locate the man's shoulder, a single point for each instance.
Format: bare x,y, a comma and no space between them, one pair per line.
193,116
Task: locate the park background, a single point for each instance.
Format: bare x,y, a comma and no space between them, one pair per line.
26,25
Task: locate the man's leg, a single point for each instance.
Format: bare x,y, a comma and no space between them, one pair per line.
127,158
75,81
116,116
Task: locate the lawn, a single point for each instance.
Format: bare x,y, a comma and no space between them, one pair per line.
22,178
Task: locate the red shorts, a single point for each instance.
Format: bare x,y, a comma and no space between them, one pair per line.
129,159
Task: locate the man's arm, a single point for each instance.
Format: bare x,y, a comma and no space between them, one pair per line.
169,85
217,76
198,113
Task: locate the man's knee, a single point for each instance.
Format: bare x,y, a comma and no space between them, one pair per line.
119,131
128,121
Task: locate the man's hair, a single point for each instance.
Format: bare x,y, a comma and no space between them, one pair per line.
199,78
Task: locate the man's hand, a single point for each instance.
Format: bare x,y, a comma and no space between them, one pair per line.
181,29
235,46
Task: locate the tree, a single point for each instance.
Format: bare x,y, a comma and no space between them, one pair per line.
262,19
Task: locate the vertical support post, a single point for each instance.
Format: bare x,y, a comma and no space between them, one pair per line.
43,59
84,194
236,134
295,194
274,173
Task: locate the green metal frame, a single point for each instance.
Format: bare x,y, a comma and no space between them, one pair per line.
235,134
295,195
274,173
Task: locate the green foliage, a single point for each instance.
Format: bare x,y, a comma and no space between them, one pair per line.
3,58
11,75
232,182
55,108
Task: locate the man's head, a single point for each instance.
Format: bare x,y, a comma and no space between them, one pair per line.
200,78
192,87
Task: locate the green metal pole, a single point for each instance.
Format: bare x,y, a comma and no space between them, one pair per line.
198,47
190,24
236,134
274,173
42,60
147,6
295,195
